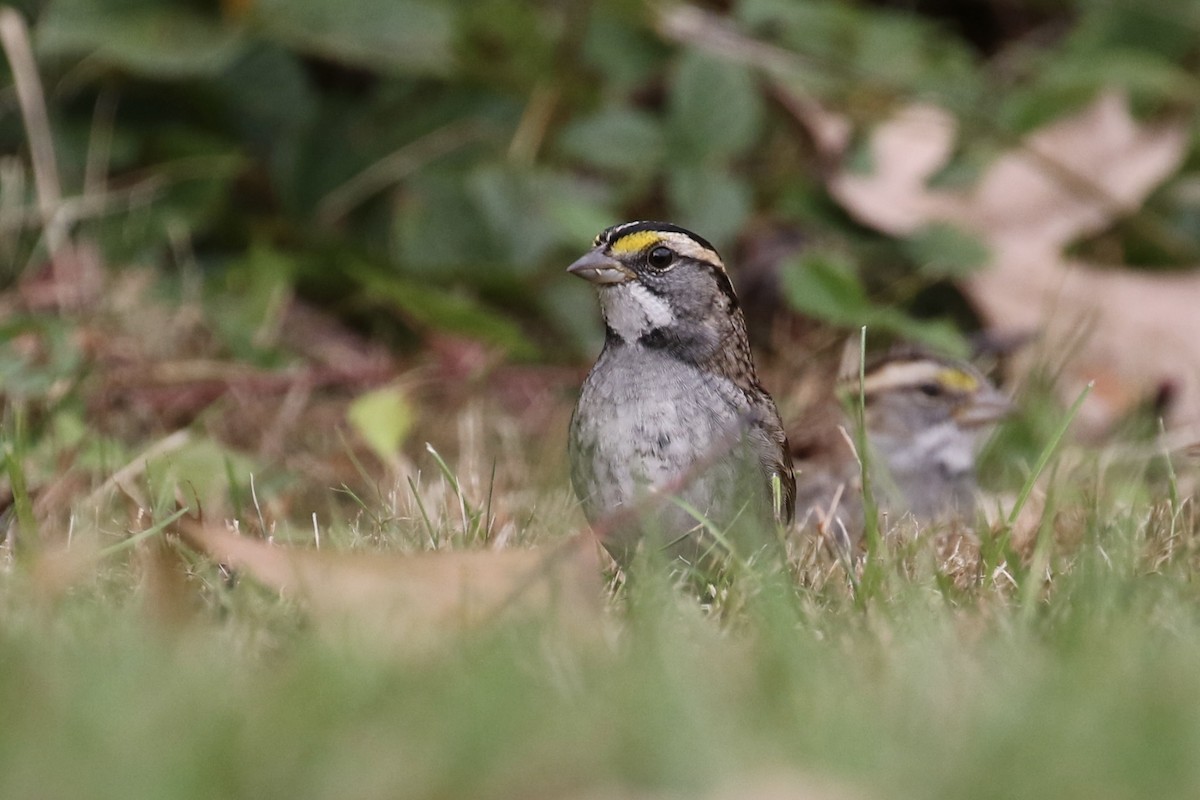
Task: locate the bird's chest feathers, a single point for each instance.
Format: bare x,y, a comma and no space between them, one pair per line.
941,447
646,417
631,310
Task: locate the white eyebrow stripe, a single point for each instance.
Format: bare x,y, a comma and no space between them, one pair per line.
906,373
688,247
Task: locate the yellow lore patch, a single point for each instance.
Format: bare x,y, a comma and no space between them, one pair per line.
635,242
958,380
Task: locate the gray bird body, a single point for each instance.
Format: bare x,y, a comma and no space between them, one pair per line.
672,404
645,419
931,474
926,417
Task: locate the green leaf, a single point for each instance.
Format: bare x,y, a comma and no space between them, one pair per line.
627,55
156,41
426,306
382,418
571,305
197,188
824,285
248,300
709,201
941,250
199,469
507,199
817,29
1144,75
1108,28
939,334
525,213
400,36
269,102
617,139
439,229
715,108
38,355
579,219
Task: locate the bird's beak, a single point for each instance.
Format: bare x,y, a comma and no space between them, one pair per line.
989,407
595,267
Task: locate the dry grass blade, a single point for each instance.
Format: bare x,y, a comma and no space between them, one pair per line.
168,598
124,477
14,35
396,166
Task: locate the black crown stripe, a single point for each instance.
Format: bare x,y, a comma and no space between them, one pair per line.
610,235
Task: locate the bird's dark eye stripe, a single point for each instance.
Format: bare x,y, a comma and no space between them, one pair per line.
723,283
726,286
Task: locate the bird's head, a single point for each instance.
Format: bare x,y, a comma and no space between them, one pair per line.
909,392
657,280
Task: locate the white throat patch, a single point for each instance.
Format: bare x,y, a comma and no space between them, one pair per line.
632,310
943,444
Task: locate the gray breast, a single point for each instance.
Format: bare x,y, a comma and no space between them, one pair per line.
644,420
933,472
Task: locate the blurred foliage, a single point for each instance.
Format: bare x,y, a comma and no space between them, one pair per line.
382,418
439,162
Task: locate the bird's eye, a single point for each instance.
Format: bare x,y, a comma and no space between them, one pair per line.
931,389
661,257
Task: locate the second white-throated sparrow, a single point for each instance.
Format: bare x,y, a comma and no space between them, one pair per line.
673,404
925,416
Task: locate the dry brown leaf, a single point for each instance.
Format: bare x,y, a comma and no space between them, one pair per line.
905,151
167,596
1070,178
402,595
1130,332
62,566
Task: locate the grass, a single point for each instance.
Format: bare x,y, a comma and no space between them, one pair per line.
1055,657
1077,681
923,703
1061,662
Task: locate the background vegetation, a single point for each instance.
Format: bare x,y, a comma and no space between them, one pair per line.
297,267
438,161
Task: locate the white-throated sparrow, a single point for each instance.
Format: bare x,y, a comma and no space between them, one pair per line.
925,417
673,404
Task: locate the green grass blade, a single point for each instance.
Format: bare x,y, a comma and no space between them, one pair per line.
1044,458
153,530
463,506
872,576
28,536
434,539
